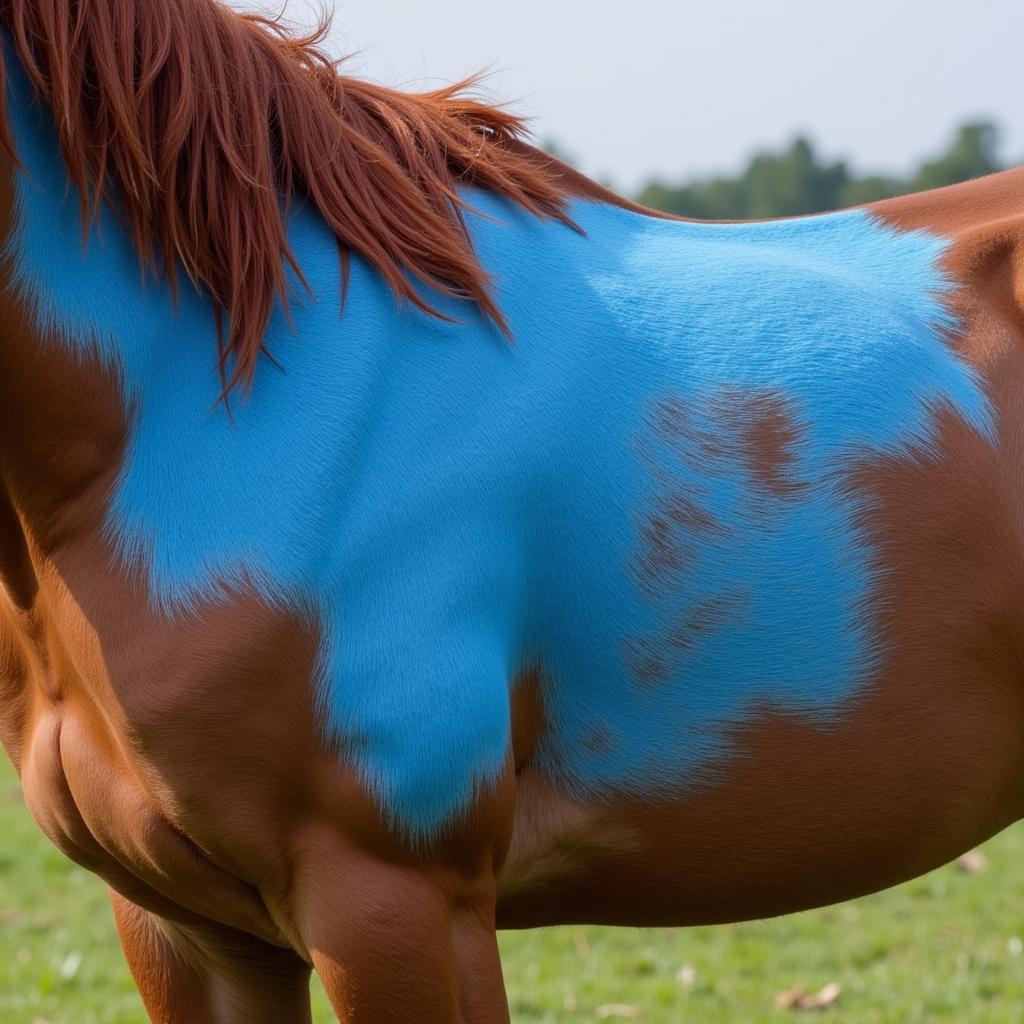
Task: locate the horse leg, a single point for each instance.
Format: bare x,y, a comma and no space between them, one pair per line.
209,974
394,943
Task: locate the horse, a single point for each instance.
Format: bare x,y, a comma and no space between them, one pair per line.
402,537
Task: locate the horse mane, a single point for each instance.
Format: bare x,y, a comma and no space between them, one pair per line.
200,124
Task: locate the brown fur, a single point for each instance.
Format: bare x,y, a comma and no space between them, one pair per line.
199,122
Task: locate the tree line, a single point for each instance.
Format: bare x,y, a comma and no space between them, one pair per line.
797,180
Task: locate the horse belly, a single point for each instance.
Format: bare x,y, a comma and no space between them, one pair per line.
801,818
788,808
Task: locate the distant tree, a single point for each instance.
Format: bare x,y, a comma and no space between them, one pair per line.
773,185
870,189
717,199
796,181
974,152
791,184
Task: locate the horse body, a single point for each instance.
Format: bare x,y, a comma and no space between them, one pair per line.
700,601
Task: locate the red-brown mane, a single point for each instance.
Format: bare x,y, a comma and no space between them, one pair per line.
207,122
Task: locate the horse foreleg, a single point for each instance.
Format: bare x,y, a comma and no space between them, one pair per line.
209,974
398,943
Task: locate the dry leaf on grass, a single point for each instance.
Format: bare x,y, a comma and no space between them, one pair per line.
798,998
621,1010
972,863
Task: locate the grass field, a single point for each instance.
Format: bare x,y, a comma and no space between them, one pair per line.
947,947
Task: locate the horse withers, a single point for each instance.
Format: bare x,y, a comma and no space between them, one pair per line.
402,537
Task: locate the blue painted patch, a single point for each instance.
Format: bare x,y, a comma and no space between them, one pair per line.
453,508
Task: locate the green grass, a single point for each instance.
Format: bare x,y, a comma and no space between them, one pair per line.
946,947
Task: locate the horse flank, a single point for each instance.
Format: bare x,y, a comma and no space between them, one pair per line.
202,125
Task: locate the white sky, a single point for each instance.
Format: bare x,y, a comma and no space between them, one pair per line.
635,88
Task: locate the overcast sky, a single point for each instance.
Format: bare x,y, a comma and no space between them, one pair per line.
635,88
